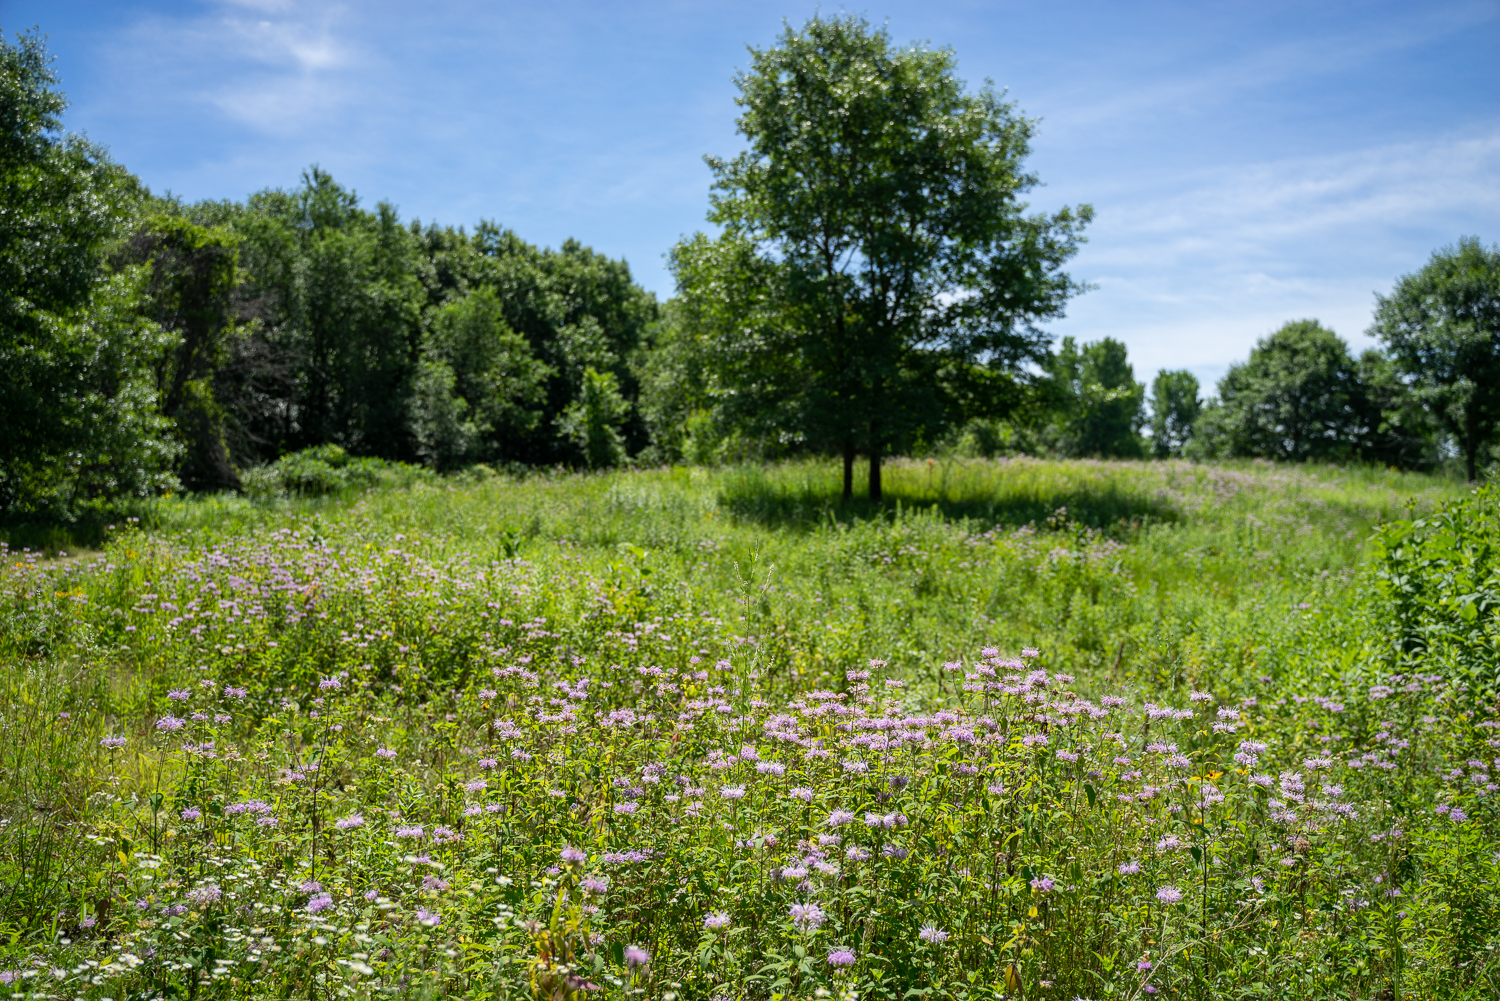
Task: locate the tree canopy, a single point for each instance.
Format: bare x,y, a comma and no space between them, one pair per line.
1175,407
877,274
78,398
1442,328
1098,401
1298,397
877,285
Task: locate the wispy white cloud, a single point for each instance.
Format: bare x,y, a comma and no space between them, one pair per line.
1259,206
262,6
1198,266
277,67
1122,94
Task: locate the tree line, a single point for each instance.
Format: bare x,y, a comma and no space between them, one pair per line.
1425,398
876,286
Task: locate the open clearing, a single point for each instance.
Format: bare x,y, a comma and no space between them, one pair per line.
1052,729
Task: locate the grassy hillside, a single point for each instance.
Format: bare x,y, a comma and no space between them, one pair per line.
1102,729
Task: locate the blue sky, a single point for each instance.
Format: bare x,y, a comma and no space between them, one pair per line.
1250,163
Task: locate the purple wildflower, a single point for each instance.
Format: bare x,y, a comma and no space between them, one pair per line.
202,896
806,917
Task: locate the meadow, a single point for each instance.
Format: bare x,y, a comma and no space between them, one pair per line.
1029,728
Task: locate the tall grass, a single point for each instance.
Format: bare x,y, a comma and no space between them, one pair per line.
701,608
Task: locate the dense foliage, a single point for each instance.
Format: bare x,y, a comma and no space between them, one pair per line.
146,343
875,240
878,288
651,734
1100,407
77,398
1442,326
1442,575
1175,407
1298,397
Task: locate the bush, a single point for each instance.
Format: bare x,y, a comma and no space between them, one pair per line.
326,470
1442,574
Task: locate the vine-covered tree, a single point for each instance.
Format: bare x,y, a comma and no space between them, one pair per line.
193,273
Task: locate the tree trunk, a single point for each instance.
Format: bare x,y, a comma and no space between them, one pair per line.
875,477
848,471
1470,448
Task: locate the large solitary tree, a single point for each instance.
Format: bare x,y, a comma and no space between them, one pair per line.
1442,328
890,275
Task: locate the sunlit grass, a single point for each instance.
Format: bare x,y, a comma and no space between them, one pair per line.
746,589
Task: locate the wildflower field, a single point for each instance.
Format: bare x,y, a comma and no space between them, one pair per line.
1032,729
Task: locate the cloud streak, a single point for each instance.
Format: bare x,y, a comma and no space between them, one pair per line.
276,68
1202,264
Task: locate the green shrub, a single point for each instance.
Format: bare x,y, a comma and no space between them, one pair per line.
326,470
1442,574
